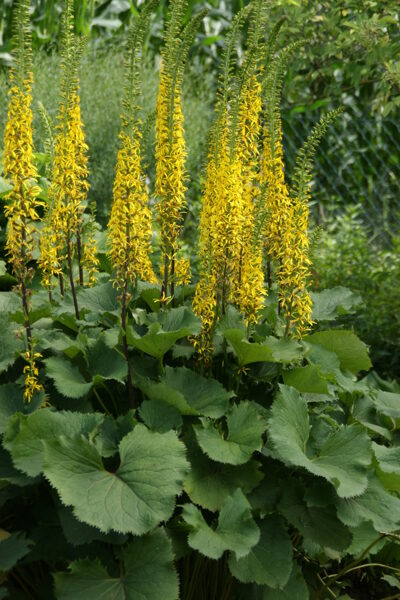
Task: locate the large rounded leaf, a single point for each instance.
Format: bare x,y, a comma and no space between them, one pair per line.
236,529
189,393
343,458
148,574
245,428
270,561
135,498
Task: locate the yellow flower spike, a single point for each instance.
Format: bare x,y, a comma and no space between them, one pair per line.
170,171
182,272
130,224
249,290
230,250
22,203
277,199
294,272
64,227
31,373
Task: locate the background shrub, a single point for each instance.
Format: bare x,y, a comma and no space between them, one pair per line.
351,256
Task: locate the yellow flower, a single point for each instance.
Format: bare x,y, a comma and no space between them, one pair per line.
230,250
90,260
286,240
294,272
68,192
249,291
22,204
31,373
129,227
277,203
170,170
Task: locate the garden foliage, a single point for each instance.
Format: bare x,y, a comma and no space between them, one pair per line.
239,450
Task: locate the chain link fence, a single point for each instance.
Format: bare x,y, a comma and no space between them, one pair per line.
358,162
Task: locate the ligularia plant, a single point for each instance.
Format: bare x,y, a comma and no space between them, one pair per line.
130,224
200,441
62,235
171,149
22,203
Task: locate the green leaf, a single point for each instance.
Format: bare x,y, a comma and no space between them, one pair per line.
150,294
272,350
236,529
364,412
9,344
99,299
332,303
363,535
375,505
295,589
11,402
387,403
177,319
318,524
148,574
189,393
13,547
306,379
67,378
135,498
270,561
9,302
245,428
232,319
162,334
351,351
388,458
103,363
343,458
284,350
106,363
9,474
209,483
328,362
159,416
5,187
78,533
26,433
58,341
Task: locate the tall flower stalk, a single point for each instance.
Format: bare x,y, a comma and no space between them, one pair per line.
171,147
130,224
230,250
22,202
62,236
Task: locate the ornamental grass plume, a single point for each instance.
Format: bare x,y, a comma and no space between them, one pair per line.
130,224
171,148
63,232
22,202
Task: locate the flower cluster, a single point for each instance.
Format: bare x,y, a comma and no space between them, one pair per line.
22,208
286,239
31,373
68,191
170,176
130,224
22,202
